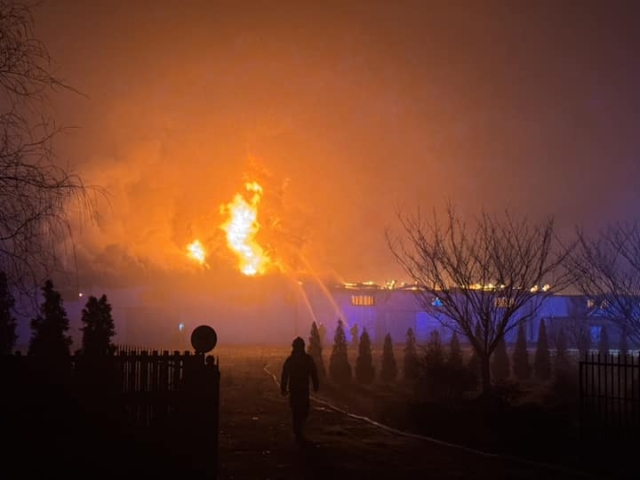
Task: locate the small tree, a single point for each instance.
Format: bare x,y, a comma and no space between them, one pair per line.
434,360
474,360
562,359
339,368
8,335
49,329
576,326
365,373
584,341
434,353
603,343
389,370
410,368
460,378
521,366
98,327
354,336
455,352
440,377
500,368
315,349
624,342
542,359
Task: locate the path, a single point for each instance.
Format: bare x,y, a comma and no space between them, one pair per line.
256,442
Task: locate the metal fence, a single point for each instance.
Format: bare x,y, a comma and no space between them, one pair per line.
610,398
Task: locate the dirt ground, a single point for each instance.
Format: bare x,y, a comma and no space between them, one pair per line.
256,440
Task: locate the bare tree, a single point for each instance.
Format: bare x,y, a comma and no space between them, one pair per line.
36,191
575,325
606,268
482,280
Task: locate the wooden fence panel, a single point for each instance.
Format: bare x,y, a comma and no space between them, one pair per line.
151,406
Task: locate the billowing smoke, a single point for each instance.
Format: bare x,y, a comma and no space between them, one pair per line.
351,111
154,207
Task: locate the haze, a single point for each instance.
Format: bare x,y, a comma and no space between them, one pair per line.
349,110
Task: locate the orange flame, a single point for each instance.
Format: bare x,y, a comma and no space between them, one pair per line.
196,251
241,229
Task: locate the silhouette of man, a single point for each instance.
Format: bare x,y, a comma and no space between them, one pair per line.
298,369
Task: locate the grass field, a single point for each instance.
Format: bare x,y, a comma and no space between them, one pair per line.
540,426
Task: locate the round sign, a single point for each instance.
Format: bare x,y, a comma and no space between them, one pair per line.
204,339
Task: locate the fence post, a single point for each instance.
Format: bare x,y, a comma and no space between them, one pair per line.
581,415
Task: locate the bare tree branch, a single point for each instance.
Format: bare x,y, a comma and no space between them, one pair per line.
481,280
37,192
606,268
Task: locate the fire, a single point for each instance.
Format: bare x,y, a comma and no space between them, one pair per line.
241,228
197,252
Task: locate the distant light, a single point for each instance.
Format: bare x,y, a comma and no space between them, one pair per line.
546,287
80,294
181,326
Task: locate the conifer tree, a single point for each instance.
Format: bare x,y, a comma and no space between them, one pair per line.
365,373
8,335
434,374
49,329
434,354
315,349
500,367
542,358
98,328
355,336
410,360
603,344
455,352
339,367
473,364
389,369
583,341
561,363
521,365
624,343
457,377
474,360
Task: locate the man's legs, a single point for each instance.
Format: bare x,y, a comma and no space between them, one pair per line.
300,411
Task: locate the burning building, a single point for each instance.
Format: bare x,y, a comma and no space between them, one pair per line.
273,309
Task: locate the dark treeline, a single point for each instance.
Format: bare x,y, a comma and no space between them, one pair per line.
436,389
50,326
436,363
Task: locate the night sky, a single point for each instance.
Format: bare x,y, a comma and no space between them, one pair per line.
350,110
